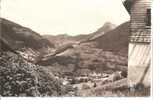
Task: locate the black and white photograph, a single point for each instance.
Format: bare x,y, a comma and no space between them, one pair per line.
75,48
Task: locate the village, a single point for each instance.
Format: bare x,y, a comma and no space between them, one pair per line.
112,61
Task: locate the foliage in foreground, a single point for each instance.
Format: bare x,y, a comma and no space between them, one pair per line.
20,78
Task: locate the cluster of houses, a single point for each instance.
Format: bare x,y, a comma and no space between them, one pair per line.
91,80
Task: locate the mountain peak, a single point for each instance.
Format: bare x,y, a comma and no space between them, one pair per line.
109,24
107,27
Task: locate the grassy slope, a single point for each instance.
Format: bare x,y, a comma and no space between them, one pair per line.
19,36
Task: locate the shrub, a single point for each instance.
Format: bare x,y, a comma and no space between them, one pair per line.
20,78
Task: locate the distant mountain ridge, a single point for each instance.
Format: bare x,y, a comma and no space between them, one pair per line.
18,36
108,37
83,37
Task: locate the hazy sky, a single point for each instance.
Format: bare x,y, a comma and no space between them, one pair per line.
64,16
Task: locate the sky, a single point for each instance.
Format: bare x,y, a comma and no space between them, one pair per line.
71,17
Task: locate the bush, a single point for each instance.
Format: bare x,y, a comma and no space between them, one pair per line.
20,78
